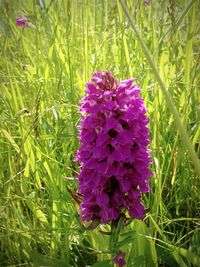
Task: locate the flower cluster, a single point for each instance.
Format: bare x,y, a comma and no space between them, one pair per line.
113,155
119,259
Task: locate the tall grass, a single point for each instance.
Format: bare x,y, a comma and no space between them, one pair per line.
42,78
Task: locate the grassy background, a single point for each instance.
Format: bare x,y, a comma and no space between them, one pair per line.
42,78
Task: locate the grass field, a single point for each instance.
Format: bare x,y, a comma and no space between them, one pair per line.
43,71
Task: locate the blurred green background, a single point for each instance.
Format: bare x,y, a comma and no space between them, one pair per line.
43,71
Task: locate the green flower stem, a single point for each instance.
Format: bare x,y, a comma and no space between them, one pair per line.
116,228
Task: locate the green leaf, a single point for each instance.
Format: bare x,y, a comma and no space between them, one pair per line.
10,139
42,260
128,238
142,247
195,244
165,255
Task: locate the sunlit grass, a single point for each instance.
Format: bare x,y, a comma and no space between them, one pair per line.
42,78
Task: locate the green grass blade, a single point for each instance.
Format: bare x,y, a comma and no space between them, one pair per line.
183,132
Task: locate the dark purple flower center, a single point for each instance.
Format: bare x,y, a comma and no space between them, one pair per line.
128,165
112,185
124,124
113,133
111,148
133,146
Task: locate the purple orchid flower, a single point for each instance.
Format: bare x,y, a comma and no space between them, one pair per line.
119,259
114,155
22,22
